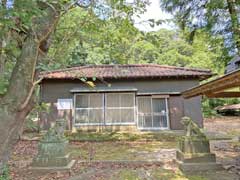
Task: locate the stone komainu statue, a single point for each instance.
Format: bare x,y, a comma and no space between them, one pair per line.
52,148
56,133
193,152
191,128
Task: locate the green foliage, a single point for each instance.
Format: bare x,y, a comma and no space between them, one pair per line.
218,17
101,35
207,110
209,105
31,123
81,21
173,49
117,41
97,42
84,37
5,174
3,85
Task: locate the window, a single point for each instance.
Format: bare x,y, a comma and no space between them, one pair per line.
89,109
152,113
63,104
100,108
119,108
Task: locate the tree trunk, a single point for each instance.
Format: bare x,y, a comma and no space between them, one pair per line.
2,45
12,111
2,58
231,4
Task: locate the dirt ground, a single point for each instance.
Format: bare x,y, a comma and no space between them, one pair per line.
132,160
227,151
223,124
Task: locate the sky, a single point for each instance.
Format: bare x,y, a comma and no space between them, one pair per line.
153,12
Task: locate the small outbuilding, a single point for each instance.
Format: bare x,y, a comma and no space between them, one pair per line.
230,109
121,97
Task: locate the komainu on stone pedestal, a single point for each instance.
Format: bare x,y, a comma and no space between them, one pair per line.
194,150
52,149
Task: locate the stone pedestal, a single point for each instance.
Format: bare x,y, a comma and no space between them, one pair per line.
52,150
194,155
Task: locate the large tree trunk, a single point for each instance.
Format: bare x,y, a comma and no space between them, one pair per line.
2,45
18,100
235,22
2,58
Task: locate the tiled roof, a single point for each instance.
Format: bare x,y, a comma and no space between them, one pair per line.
126,71
228,107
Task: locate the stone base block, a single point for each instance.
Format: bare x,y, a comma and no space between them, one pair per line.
196,167
196,157
45,161
54,168
194,145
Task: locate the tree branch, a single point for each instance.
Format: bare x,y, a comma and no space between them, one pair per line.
24,105
76,2
23,73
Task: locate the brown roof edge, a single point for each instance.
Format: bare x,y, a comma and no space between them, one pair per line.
127,65
192,77
226,81
130,71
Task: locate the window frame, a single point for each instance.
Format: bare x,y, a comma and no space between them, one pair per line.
104,108
165,97
74,111
133,107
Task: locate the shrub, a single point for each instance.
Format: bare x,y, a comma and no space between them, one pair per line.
209,105
5,174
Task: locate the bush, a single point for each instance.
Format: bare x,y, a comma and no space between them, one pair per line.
208,108
5,174
31,123
209,105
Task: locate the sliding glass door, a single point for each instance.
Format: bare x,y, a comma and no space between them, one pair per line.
152,113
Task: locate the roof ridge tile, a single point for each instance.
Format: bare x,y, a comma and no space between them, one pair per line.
133,71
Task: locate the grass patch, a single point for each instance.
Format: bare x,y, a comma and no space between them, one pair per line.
212,175
118,150
163,174
126,174
197,178
4,175
119,146
234,133
120,136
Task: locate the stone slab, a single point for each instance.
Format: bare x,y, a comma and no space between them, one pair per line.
194,145
49,161
53,168
196,167
195,158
